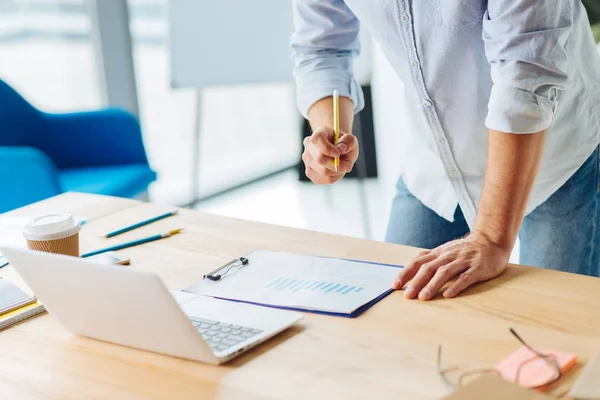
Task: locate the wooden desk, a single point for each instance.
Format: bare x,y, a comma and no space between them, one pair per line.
388,352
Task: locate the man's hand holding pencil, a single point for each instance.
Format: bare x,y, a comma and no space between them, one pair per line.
320,153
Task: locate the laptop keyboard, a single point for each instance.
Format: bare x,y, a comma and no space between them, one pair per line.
220,335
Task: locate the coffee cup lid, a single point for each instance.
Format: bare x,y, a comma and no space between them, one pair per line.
51,227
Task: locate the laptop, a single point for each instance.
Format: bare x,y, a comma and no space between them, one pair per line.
133,308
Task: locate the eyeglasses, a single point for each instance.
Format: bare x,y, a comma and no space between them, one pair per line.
548,361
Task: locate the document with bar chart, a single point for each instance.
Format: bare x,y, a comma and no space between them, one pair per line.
308,283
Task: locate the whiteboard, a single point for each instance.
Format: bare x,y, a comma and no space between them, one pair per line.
229,42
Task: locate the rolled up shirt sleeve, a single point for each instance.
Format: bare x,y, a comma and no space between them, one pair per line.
324,45
526,46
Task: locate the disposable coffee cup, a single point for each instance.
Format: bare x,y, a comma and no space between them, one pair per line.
53,233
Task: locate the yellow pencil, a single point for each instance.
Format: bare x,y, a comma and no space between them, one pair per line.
336,125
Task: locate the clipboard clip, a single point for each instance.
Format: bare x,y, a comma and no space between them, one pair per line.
217,274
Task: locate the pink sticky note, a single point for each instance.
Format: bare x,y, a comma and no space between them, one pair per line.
535,371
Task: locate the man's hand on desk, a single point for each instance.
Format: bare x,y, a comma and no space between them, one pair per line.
513,161
469,260
319,153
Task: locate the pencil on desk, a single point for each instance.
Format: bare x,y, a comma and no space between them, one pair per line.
132,243
140,224
336,125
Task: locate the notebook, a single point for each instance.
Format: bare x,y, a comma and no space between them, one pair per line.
13,297
21,314
493,387
322,285
587,386
15,304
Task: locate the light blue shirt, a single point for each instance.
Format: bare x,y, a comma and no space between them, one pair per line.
517,66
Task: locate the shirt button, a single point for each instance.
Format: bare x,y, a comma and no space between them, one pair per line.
453,173
404,18
414,63
427,103
441,140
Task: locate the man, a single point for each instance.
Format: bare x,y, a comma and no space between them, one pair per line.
502,140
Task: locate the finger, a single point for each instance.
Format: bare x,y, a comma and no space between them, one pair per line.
345,166
444,274
410,269
347,143
322,141
319,146
320,179
320,159
423,277
326,131
351,155
465,280
309,161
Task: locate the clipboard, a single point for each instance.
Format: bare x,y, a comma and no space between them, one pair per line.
327,286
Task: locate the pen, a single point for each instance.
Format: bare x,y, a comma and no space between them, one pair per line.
132,243
140,224
336,125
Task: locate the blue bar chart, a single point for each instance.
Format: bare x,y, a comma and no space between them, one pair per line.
296,285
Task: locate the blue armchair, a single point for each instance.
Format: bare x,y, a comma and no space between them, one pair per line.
45,154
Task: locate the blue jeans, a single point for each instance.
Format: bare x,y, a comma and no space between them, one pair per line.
563,233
